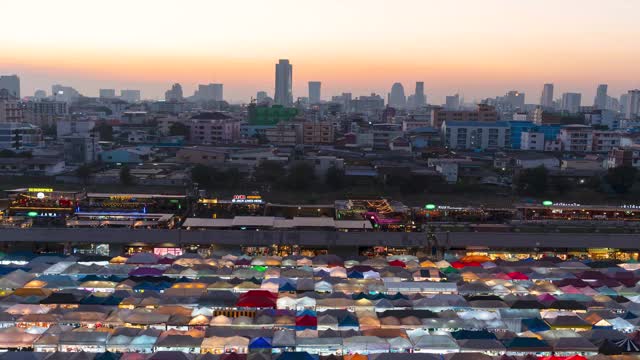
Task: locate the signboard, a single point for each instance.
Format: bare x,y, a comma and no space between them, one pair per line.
247,199
40,190
430,206
547,203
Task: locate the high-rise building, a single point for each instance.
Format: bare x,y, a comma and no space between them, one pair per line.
64,93
515,99
284,79
571,102
210,92
130,96
314,92
452,102
261,96
396,97
40,94
107,93
632,107
600,102
174,94
546,100
12,84
419,98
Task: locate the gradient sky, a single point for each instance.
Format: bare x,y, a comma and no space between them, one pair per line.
479,48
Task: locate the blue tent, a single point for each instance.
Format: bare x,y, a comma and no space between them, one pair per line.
535,325
348,320
301,355
355,275
307,312
260,343
287,287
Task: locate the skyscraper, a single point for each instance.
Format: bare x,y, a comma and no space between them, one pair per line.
107,93
571,102
131,96
284,79
515,99
547,96
12,84
174,94
419,98
261,96
314,92
632,107
452,102
210,92
600,102
396,97
218,92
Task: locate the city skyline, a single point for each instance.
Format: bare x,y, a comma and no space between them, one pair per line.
550,44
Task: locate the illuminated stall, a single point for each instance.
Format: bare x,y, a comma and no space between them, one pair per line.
43,205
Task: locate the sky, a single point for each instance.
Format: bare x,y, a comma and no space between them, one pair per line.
478,48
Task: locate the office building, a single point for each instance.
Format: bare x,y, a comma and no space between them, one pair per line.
107,93
452,102
419,98
12,84
130,96
209,92
314,92
571,102
600,102
514,99
632,106
546,101
174,94
284,80
39,94
396,97
64,93
368,104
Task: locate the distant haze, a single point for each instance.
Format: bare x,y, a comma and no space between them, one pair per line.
479,48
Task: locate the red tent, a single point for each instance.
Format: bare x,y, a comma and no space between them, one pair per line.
257,299
397,263
516,275
459,265
307,321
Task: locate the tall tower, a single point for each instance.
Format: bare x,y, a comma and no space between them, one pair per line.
600,102
419,97
12,84
547,96
396,96
314,91
284,78
632,106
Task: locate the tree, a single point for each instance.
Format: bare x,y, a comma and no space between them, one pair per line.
562,185
125,175
179,129
84,172
105,131
300,176
533,181
335,178
621,179
270,172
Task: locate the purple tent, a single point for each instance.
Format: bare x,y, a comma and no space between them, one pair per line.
146,271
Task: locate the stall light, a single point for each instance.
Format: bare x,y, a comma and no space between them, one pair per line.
430,206
547,203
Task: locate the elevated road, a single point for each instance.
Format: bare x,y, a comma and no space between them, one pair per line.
321,239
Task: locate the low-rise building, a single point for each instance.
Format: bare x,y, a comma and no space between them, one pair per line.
201,155
284,134
578,138
317,132
476,135
20,136
33,166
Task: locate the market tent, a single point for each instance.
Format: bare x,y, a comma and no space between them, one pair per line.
300,355
365,345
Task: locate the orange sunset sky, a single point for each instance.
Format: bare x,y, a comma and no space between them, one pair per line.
479,48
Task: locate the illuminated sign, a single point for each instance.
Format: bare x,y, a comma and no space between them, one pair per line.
208,201
32,214
247,199
430,206
121,198
547,203
40,190
40,195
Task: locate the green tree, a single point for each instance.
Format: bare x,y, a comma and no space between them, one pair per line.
125,175
270,172
84,172
533,181
105,131
179,129
335,178
232,178
203,175
300,176
621,179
